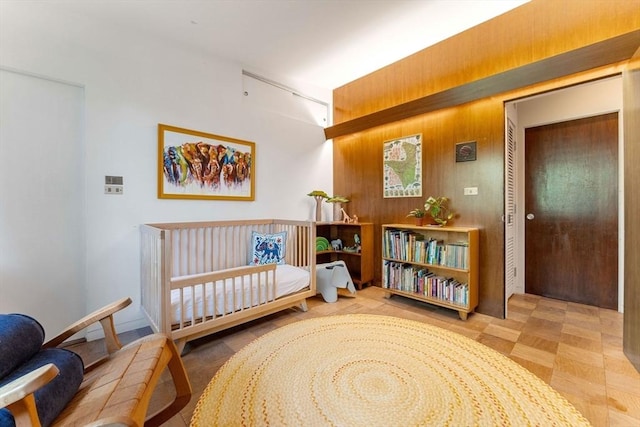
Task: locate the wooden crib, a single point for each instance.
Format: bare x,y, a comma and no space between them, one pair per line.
196,277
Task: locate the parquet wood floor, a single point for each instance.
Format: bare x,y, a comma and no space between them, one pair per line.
575,348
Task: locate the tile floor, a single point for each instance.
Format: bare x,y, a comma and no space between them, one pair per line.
575,348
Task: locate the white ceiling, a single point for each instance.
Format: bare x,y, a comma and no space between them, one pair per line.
323,43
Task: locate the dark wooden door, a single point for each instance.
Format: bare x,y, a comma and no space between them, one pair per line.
571,204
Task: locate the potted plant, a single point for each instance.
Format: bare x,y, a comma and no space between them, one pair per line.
437,208
337,202
418,214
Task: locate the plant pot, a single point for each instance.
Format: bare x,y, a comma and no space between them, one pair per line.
419,221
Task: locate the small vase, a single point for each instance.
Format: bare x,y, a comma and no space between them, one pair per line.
419,221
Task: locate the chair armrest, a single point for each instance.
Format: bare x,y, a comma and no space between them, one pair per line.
104,316
18,394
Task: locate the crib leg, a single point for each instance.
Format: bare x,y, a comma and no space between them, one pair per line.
303,305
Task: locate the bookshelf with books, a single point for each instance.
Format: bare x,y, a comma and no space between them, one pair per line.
358,257
437,265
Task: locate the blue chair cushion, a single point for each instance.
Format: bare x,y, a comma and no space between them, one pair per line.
21,337
54,396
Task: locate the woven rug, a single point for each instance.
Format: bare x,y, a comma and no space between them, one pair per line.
370,370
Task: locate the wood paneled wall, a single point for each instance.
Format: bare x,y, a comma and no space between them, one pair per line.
530,33
631,114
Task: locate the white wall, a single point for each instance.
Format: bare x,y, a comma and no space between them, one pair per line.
589,99
41,199
131,84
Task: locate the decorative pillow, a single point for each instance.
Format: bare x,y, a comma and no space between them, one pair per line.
268,248
21,337
51,398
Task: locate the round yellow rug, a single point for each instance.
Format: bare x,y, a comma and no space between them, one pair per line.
369,370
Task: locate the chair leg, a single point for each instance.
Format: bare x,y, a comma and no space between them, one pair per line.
110,336
181,384
25,412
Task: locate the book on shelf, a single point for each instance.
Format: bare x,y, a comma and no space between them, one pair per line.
419,280
411,246
456,255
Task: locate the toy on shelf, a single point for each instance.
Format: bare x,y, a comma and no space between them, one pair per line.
347,219
322,244
356,248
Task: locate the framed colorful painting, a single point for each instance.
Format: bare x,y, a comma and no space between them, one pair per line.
402,163
198,165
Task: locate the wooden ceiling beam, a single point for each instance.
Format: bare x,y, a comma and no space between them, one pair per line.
599,54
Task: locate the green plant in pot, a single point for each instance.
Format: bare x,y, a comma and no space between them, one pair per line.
437,208
418,214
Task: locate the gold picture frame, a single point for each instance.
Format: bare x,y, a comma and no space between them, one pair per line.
204,166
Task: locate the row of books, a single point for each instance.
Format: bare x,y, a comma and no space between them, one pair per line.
418,280
407,245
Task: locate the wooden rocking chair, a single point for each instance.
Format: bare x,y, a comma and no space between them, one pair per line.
116,389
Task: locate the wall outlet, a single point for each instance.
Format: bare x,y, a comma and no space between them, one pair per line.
114,189
471,191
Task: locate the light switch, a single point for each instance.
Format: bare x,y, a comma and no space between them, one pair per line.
471,191
113,185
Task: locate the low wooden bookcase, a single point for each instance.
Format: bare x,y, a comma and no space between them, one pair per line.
360,264
437,265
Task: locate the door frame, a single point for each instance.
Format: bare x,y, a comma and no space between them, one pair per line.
576,102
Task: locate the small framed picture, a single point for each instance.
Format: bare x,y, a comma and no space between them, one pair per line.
466,151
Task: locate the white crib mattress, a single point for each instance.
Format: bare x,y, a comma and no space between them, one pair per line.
290,279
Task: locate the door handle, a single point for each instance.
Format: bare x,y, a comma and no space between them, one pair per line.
530,216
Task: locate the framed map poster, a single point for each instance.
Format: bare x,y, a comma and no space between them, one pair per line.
402,163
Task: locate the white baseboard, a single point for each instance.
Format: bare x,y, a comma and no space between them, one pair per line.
95,332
